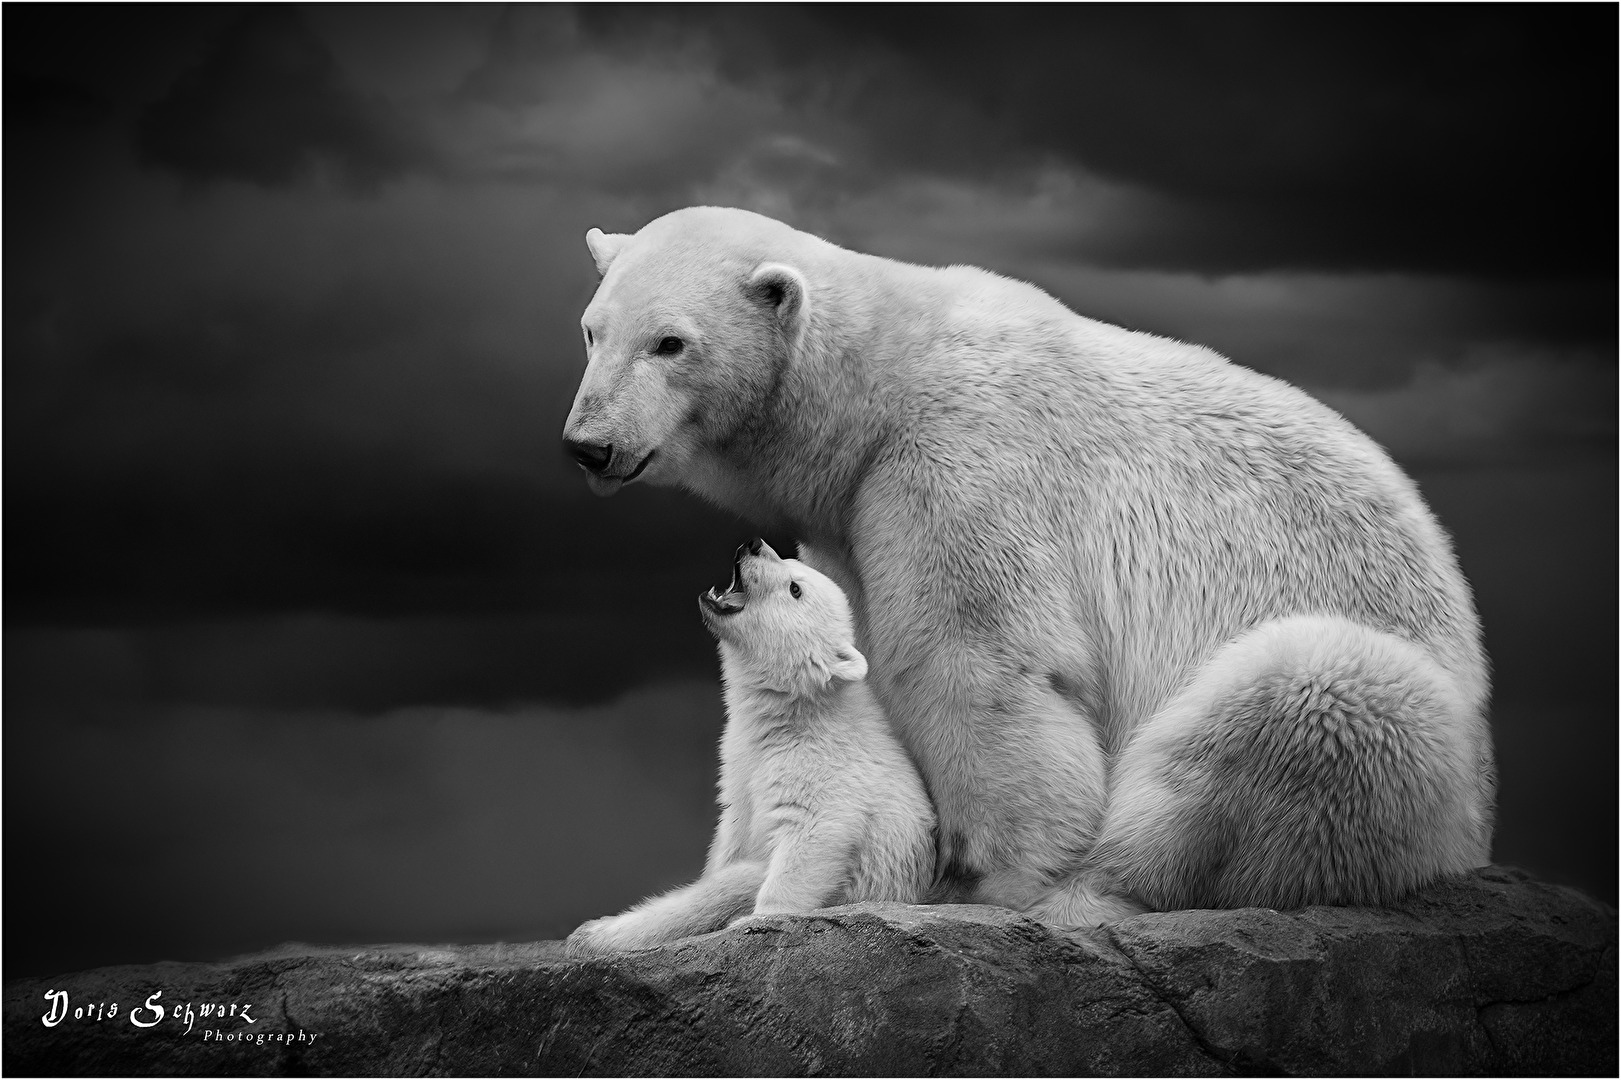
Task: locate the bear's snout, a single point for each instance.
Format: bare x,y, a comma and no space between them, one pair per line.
592,457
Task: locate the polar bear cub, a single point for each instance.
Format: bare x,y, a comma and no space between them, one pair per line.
820,805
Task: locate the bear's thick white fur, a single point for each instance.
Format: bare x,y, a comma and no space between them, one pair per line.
819,803
1158,630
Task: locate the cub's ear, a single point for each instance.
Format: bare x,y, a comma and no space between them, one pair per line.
604,247
848,664
782,287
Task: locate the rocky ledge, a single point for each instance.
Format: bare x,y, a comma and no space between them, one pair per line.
1491,974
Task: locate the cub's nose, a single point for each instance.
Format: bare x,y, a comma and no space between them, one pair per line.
593,457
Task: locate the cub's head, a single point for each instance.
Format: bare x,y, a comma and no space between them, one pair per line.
685,341
781,625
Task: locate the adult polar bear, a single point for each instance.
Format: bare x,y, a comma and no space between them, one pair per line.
1158,630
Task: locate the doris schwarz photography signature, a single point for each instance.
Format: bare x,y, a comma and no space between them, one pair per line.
222,1021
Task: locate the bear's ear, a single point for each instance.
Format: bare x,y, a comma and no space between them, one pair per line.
781,287
848,664
604,247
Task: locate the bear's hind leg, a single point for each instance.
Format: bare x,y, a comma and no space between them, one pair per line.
1311,760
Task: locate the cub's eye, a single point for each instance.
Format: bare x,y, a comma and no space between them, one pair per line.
589,340
670,346
793,589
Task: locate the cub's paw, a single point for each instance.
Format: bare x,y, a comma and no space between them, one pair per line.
594,938
1074,904
764,922
617,933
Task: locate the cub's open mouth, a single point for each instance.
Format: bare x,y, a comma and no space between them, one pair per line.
734,598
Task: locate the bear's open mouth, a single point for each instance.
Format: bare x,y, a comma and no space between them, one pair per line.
734,598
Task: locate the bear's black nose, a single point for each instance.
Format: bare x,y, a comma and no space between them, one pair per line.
592,456
755,545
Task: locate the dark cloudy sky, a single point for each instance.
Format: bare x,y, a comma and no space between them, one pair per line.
312,633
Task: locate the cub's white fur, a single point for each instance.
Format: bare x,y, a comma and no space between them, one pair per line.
819,803
1157,630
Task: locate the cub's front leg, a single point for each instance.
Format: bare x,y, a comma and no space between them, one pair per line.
809,869
708,904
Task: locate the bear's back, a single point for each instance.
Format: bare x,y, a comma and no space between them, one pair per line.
1201,498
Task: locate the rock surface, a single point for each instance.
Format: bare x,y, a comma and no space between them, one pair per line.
1491,974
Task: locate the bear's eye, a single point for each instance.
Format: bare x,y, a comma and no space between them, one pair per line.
793,589
670,346
589,340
